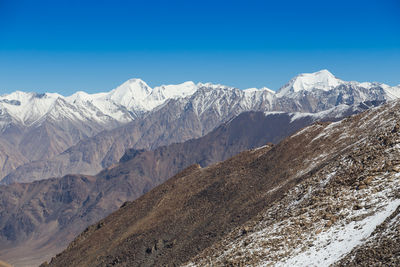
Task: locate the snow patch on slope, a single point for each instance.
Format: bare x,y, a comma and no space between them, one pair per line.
329,247
392,92
332,113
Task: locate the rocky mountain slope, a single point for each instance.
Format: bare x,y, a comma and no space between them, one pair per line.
328,194
343,214
313,92
48,126
39,219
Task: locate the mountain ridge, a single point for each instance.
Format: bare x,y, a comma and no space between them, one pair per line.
60,123
134,93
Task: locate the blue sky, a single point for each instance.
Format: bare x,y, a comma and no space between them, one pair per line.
65,46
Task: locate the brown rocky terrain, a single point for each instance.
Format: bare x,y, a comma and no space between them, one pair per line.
39,219
327,193
335,216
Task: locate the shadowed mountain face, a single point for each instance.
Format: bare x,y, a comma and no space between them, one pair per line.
39,219
21,145
303,196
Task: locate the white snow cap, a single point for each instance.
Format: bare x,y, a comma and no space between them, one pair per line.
322,80
136,96
173,91
133,89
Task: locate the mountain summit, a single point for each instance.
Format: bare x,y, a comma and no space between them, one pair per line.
321,80
130,93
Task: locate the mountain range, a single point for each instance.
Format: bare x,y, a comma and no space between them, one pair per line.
68,162
49,135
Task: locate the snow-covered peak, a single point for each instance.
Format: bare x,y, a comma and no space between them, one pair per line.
173,91
162,93
251,90
213,85
268,90
79,96
28,107
25,97
18,95
134,97
322,80
130,93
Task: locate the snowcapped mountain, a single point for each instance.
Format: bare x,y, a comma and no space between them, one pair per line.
315,92
321,80
122,104
161,93
134,98
325,81
41,126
